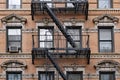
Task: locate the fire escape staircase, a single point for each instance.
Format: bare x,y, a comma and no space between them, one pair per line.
44,7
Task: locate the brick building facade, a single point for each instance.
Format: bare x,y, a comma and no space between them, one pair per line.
59,40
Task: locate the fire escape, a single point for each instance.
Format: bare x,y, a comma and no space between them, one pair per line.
43,7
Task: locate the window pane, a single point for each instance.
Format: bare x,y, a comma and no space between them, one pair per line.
105,46
46,76
46,44
107,76
75,34
77,44
75,76
14,37
14,44
46,38
104,3
105,40
14,31
14,4
46,34
14,76
105,34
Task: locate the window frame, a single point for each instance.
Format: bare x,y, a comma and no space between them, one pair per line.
75,72
13,72
50,73
112,37
45,27
7,41
7,5
111,5
106,72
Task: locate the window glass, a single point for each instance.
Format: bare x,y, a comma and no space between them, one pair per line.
74,75
75,34
14,76
14,38
14,4
107,76
46,75
105,40
46,38
104,4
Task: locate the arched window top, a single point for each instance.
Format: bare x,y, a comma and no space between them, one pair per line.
13,64
107,65
13,18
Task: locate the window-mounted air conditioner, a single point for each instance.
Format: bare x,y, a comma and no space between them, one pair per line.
13,49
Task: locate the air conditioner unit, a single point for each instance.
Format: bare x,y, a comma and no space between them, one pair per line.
13,49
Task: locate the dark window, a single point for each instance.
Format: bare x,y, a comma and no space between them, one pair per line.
14,4
46,37
75,75
107,75
47,75
75,33
14,75
105,39
104,4
14,39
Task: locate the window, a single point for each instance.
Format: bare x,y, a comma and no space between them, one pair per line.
14,75
47,75
75,33
107,75
14,39
105,39
46,37
104,4
14,4
75,75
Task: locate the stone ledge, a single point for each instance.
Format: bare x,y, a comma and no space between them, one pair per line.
105,55
12,56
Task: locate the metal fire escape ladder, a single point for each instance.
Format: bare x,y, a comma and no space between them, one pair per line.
68,38
60,26
56,65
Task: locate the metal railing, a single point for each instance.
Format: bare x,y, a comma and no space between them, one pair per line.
59,42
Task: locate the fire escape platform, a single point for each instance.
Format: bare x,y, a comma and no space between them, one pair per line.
61,51
78,7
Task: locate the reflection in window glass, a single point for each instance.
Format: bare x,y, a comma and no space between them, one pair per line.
46,38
